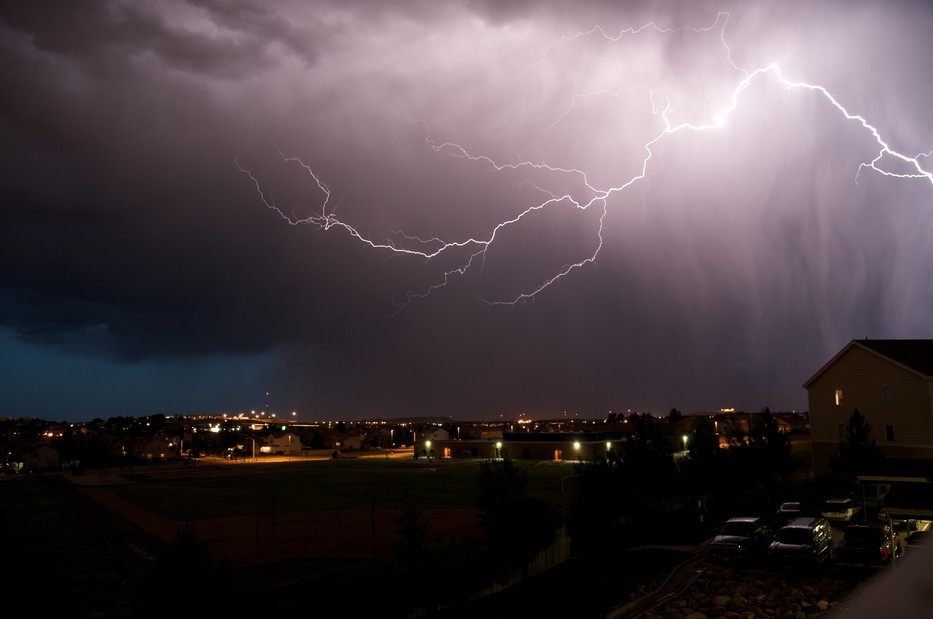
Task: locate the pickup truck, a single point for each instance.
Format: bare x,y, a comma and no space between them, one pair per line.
743,537
867,545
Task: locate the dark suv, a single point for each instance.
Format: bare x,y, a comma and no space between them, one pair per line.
807,540
743,537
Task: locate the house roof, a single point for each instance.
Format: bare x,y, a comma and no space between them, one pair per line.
899,469
909,500
914,355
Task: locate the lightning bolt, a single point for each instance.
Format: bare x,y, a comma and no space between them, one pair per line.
474,249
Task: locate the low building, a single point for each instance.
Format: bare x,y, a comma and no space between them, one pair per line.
554,446
283,443
42,458
152,448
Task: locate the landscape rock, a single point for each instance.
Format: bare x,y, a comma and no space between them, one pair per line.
736,594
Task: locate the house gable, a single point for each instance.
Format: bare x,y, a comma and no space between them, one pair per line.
888,381
912,355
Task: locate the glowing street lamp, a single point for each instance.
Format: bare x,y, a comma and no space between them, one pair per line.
685,441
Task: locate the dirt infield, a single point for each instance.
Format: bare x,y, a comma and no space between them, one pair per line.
265,538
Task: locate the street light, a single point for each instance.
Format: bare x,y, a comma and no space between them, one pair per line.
685,441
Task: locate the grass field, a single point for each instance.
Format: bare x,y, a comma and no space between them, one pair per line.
65,555
236,490
99,564
61,540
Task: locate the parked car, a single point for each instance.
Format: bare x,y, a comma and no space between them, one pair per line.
743,537
840,510
807,540
918,537
789,511
873,544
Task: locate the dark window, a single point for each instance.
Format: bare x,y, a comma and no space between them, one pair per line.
886,394
889,431
794,535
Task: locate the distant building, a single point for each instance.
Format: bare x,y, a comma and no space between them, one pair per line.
284,443
890,382
348,442
554,446
435,434
43,457
154,448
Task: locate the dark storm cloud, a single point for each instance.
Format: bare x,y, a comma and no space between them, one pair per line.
746,257
222,39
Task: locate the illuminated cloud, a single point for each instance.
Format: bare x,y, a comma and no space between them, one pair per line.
546,207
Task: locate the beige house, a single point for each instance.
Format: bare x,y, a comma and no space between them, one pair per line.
890,382
42,458
154,448
285,443
349,442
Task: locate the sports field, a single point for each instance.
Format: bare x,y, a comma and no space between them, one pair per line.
269,511
93,538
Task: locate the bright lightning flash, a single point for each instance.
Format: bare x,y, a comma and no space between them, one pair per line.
596,197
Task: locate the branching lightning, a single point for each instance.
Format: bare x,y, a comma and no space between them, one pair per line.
474,249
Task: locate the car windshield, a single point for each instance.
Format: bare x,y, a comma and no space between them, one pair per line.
745,529
837,506
795,536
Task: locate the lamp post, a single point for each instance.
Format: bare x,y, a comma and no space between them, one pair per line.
684,437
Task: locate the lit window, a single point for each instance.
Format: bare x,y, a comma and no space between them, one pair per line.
889,432
886,394
838,397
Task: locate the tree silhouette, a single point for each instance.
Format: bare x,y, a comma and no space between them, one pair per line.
411,545
701,467
516,525
188,564
648,450
601,498
769,447
857,451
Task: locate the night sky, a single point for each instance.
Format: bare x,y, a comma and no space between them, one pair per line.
470,209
